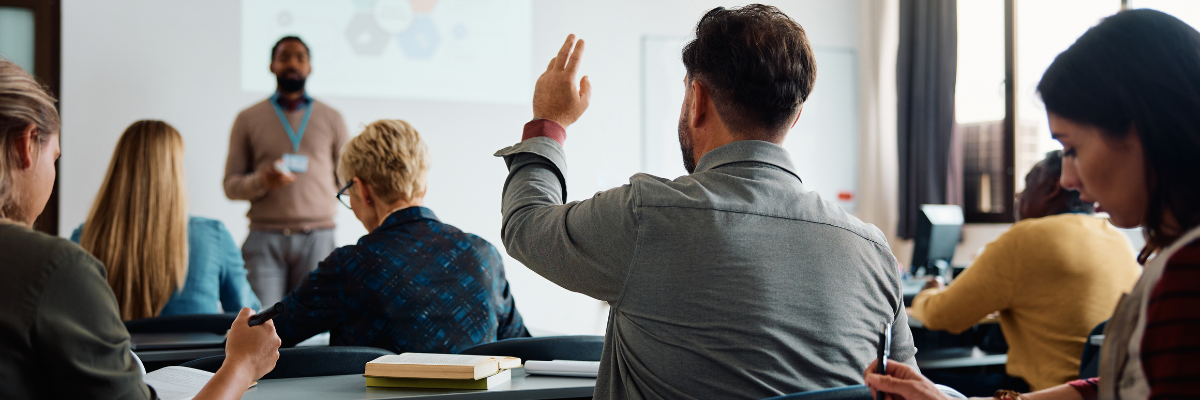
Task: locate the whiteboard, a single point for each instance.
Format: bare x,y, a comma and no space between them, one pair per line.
823,144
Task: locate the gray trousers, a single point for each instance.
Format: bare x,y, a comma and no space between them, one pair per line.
276,262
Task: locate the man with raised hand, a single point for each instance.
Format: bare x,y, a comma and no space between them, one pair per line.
733,281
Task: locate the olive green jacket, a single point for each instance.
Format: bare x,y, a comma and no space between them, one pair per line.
61,335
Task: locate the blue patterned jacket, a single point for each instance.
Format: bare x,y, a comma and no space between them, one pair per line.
414,284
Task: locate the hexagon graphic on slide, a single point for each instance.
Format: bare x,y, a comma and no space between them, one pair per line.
421,39
393,16
365,36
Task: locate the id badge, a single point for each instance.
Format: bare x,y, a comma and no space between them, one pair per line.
295,162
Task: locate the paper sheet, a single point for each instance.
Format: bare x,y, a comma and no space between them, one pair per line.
563,368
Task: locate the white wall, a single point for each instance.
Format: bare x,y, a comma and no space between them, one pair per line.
178,61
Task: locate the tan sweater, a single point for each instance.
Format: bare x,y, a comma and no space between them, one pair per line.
258,138
1053,279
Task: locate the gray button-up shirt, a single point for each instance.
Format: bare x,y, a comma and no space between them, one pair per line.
732,282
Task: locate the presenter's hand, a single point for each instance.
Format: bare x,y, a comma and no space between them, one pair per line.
273,178
901,383
556,96
252,351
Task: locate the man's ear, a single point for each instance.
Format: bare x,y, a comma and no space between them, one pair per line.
1054,190
797,119
26,146
699,104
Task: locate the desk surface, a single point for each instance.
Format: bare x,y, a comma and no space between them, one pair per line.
353,387
958,357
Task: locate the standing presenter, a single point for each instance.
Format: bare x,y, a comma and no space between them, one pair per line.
282,153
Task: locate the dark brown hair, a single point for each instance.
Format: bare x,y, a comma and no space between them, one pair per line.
756,62
1140,69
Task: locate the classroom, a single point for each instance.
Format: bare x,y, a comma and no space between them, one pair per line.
792,199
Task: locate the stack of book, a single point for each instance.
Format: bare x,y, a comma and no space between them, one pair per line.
444,371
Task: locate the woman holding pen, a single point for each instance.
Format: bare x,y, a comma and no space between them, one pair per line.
1124,101
61,334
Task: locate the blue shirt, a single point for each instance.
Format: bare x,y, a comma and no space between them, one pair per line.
414,284
216,276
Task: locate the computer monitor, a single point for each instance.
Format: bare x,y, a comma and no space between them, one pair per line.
939,228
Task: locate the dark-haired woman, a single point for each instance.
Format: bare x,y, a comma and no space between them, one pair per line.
1124,101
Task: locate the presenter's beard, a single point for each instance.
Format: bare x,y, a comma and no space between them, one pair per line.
685,143
289,85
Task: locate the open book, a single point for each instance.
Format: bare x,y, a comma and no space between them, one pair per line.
177,383
439,366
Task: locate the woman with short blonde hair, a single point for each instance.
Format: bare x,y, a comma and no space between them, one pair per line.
413,283
160,261
60,331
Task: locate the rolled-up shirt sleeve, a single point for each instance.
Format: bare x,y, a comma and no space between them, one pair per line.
584,246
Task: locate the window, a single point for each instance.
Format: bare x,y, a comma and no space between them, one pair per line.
1003,125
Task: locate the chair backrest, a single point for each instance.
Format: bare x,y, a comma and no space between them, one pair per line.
855,392
578,348
303,362
1089,363
215,323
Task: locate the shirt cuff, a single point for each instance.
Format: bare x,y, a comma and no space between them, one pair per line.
542,127
1088,388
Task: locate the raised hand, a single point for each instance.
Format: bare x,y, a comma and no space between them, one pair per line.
556,96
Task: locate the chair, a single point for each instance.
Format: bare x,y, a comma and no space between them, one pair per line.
303,362
215,323
1089,363
855,392
577,348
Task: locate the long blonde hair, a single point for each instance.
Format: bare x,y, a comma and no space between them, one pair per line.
138,224
23,101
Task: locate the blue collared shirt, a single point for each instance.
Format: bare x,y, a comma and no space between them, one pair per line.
414,284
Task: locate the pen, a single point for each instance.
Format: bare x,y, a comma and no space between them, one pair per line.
885,351
263,317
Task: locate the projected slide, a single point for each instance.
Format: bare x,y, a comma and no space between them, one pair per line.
444,50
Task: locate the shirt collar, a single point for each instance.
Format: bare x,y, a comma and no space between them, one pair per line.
406,215
303,100
747,151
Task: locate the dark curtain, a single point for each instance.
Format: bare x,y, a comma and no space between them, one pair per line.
925,71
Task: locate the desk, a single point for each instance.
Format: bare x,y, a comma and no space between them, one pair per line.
958,357
353,387
176,357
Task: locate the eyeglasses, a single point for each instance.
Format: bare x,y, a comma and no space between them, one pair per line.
344,197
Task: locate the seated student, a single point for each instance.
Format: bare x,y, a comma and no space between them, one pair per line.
160,261
61,336
1053,277
1123,102
413,283
734,281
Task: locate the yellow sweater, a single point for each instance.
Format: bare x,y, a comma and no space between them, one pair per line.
1053,279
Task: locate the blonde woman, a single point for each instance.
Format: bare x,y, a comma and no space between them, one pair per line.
160,261
414,283
60,333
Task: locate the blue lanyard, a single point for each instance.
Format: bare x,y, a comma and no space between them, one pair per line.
295,136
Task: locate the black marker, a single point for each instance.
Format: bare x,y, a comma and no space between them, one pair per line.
885,351
263,317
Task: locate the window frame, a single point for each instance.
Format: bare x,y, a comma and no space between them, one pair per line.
1008,139
47,68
